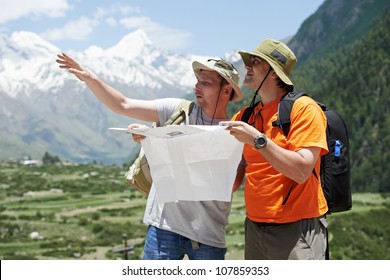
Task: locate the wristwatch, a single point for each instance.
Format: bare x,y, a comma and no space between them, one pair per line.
260,141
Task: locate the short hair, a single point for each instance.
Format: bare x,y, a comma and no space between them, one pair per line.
283,85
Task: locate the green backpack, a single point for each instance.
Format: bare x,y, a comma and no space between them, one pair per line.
138,174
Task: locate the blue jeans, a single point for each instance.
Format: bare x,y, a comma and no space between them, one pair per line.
165,245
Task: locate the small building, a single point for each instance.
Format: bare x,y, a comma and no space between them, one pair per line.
32,162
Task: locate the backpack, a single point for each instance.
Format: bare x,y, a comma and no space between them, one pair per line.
335,169
138,174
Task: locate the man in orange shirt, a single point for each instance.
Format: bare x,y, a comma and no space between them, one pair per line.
284,200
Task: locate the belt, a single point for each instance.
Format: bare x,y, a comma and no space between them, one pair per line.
262,224
195,245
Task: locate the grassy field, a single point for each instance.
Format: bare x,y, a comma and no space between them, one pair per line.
89,211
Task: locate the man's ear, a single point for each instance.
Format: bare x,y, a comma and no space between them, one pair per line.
228,89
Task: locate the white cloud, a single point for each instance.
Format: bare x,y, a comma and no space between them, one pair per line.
15,9
74,30
126,10
101,12
116,9
139,22
111,21
162,36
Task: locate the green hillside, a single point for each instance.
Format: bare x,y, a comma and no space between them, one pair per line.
88,211
336,23
354,80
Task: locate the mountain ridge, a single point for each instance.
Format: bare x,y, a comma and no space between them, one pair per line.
53,111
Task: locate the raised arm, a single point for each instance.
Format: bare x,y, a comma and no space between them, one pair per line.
134,108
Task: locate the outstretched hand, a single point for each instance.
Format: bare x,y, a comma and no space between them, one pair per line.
67,62
137,137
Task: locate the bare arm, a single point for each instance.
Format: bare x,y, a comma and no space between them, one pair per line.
239,177
295,165
134,108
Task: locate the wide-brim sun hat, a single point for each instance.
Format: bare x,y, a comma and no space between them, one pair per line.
277,54
224,69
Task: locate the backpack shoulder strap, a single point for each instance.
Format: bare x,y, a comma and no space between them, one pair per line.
284,110
248,112
181,113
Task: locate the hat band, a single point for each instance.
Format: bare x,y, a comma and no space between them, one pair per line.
279,57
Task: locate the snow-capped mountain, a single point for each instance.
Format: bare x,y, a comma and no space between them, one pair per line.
45,108
26,58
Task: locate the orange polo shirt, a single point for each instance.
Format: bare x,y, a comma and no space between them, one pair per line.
269,195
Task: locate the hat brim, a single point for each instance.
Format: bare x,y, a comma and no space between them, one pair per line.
238,95
279,71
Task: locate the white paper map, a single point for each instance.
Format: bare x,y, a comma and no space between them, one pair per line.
168,131
198,165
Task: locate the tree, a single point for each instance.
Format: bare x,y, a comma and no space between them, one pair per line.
50,159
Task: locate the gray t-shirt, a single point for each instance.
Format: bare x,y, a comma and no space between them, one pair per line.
201,221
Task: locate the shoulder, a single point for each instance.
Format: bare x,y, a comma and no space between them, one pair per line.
166,107
305,101
168,102
306,108
306,104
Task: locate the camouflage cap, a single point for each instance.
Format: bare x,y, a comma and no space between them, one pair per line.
225,69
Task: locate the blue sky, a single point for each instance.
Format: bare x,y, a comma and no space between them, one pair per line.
201,27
